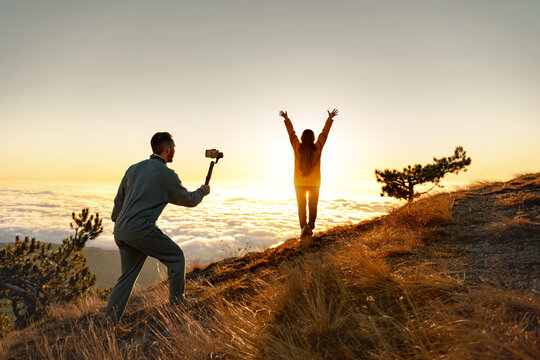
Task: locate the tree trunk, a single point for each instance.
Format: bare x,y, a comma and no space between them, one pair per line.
410,184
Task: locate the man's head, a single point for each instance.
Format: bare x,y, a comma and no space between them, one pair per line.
163,145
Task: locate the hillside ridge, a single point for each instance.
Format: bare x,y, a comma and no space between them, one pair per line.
450,275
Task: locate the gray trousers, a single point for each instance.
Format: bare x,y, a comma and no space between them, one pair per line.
133,253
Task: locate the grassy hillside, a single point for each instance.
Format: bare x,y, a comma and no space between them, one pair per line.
454,275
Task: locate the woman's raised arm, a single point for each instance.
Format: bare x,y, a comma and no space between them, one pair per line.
321,139
290,130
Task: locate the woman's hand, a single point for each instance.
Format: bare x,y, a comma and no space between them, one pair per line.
283,114
330,114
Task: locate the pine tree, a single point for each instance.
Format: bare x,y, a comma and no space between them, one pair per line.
33,276
5,324
400,184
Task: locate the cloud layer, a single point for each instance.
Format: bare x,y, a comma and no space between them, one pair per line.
221,226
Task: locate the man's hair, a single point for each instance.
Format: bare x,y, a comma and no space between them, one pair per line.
160,141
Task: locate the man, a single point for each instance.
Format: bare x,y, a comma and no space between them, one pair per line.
145,190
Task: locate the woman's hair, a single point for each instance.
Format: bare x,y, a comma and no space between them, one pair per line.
307,152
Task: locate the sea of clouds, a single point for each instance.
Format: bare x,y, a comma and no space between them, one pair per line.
223,225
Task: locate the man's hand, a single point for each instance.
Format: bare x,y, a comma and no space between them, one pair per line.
283,114
332,114
207,187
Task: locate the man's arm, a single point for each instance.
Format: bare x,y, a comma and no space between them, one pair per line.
119,199
321,140
290,130
179,195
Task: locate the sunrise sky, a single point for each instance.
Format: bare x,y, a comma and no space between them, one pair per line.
84,85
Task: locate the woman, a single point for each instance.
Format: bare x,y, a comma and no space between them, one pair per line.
307,169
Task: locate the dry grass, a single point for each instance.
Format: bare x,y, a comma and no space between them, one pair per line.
322,312
430,210
530,181
310,301
319,311
524,181
408,227
476,185
519,200
516,227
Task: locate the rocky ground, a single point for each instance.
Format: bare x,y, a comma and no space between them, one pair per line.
493,238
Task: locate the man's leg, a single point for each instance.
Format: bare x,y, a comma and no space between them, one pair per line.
313,202
132,261
160,246
301,200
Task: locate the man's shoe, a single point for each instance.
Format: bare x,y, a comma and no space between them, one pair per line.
180,302
105,321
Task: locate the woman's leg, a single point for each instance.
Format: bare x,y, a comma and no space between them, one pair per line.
301,192
313,202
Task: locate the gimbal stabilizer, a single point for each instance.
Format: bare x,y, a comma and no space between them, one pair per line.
214,154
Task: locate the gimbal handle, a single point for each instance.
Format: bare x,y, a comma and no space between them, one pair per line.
209,175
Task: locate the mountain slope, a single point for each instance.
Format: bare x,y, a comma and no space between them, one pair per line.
452,275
